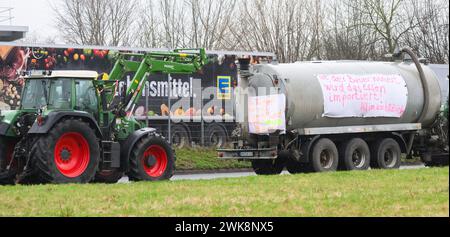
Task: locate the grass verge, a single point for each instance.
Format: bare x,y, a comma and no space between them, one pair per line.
422,192
205,159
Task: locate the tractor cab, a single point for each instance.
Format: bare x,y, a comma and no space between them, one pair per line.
60,90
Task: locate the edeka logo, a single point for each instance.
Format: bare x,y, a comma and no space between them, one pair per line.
223,87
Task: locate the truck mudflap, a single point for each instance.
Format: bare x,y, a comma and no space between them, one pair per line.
435,160
248,154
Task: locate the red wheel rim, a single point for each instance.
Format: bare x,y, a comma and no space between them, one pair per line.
160,161
72,154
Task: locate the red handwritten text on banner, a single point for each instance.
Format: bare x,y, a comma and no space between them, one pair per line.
374,95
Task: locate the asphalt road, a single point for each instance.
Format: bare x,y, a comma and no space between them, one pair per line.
210,176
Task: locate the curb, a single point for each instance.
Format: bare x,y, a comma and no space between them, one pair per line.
245,170
213,171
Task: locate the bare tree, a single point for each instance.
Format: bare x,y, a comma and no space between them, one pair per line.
294,30
388,20
430,38
210,22
345,36
274,26
148,32
120,17
98,22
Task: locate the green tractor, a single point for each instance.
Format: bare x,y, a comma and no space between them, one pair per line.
76,126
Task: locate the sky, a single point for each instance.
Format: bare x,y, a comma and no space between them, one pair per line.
38,15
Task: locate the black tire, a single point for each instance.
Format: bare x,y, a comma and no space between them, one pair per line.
161,152
295,167
51,150
354,155
324,156
108,176
180,136
292,165
216,136
3,154
386,154
6,176
269,167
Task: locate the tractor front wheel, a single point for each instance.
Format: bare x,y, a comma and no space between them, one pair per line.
152,159
69,153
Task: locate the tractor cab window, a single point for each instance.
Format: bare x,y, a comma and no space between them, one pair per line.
60,94
86,96
34,94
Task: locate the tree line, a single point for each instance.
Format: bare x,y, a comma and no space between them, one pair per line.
295,30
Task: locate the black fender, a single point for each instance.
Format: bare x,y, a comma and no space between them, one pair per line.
306,148
401,141
128,145
218,125
55,116
4,128
184,126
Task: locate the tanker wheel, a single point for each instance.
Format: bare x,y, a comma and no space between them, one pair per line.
179,136
354,155
69,153
108,176
386,154
152,159
324,156
216,136
269,167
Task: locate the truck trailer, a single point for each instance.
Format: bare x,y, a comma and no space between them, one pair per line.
341,115
207,128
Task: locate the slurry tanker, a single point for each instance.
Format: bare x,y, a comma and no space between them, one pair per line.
343,115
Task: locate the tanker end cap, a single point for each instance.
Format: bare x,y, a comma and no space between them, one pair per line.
244,64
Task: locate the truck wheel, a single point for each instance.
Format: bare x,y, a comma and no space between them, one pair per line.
69,153
386,154
325,156
179,136
268,167
108,176
152,159
354,155
216,136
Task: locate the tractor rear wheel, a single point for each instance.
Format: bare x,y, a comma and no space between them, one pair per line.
69,153
6,152
152,159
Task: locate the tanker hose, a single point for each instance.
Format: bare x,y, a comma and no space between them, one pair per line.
423,81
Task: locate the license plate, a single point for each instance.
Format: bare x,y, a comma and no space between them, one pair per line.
246,154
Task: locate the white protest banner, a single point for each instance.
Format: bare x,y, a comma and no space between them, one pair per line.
267,113
372,95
